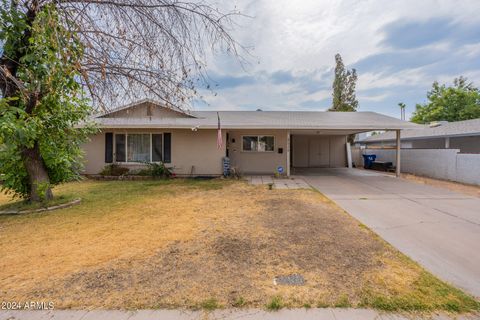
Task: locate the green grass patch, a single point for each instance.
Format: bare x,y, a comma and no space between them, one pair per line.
210,304
428,294
99,197
204,184
342,302
275,304
239,302
21,204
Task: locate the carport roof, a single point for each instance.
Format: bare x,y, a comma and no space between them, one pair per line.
295,120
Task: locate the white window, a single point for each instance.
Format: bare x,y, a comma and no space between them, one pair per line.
138,147
258,143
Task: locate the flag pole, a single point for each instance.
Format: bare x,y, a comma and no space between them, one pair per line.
219,133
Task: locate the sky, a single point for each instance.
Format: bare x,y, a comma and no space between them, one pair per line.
397,47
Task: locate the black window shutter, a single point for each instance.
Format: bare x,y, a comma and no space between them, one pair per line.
167,147
108,147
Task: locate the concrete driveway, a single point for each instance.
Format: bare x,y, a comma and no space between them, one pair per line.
436,227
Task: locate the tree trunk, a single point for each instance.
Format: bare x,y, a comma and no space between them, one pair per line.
39,182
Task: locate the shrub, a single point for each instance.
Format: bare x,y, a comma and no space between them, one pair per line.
342,302
240,302
275,304
114,170
159,170
154,170
210,304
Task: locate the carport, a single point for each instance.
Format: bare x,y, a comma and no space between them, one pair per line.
326,145
265,142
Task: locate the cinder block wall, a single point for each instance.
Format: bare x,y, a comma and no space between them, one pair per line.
468,168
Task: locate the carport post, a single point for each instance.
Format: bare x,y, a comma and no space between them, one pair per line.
397,168
288,153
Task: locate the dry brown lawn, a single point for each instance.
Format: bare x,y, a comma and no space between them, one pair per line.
187,243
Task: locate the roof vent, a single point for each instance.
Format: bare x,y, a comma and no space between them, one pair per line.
434,124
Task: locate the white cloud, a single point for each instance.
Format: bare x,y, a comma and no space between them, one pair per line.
307,34
378,97
303,36
386,79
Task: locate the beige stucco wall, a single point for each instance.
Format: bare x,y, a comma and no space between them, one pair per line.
198,149
258,162
189,148
94,154
332,149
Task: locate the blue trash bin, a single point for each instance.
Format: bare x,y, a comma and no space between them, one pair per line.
368,160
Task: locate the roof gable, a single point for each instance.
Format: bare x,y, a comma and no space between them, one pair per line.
146,109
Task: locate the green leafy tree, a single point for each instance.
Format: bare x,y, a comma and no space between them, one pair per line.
37,114
59,58
455,103
344,98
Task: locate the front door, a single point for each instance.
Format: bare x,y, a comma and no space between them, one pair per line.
319,152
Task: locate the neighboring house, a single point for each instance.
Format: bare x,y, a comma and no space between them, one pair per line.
462,135
257,142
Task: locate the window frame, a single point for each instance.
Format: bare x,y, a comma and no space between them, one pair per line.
126,147
258,143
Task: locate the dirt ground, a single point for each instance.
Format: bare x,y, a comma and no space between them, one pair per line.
468,189
454,186
176,244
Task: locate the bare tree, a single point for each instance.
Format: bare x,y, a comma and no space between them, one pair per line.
135,48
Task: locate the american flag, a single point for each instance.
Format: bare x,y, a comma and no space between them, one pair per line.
219,134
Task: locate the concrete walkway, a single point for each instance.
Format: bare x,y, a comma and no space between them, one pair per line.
252,314
279,183
436,227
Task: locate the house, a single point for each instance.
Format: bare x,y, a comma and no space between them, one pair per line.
256,142
462,135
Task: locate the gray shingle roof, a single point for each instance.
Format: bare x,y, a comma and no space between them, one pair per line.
365,121
458,128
